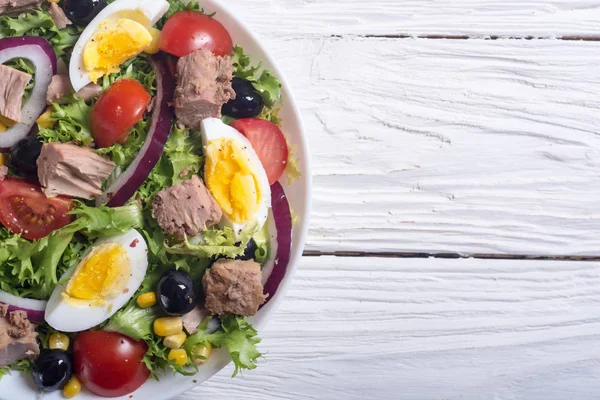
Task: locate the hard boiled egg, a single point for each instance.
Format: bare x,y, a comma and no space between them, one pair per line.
103,282
235,177
118,33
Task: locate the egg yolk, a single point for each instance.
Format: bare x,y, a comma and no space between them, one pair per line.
231,179
101,275
113,43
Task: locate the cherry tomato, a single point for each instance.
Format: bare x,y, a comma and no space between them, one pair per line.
188,31
268,143
25,209
109,364
117,110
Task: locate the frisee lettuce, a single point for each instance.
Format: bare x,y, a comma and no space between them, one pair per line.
72,123
40,23
236,334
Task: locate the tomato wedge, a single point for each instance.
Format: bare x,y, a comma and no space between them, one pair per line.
268,143
117,110
188,31
25,209
109,364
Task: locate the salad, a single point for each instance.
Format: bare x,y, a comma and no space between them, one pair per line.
141,216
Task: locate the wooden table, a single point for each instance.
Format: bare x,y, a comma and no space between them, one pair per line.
456,215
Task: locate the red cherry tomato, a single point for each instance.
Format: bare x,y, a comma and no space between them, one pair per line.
109,364
188,31
117,110
25,209
268,143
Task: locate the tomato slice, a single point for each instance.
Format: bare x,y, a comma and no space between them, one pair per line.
268,143
109,364
188,31
117,110
25,209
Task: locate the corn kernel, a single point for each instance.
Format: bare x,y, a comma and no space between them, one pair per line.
2,158
178,356
58,341
53,1
202,354
175,341
154,46
6,123
168,326
45,120
72,388
146,300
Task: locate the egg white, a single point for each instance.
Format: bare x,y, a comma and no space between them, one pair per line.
67,316
152,9
214,128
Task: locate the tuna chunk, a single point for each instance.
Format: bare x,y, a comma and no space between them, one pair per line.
234,286
15,7
66,169
18,339
203,86
58,16
187,208
61,86
12,89
192,319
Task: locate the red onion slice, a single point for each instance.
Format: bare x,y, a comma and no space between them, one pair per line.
35,309
124,187
283,225
40,53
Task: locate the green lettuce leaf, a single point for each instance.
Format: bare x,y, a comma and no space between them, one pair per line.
73,124
211,243
236,334
263,80
22,366
40,23
138,68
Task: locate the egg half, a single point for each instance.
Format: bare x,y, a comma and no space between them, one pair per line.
104,281
235,177
116,34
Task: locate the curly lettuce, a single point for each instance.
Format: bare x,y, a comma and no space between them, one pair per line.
236,334
40,23
263,80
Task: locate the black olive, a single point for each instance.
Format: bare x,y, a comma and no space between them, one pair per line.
24,155
176,293
52,370
247,104
249,252
82,12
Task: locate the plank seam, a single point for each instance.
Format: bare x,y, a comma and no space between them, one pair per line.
467,37
366,254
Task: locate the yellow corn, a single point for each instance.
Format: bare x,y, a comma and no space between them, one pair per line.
53,1
58,341
178,356
72,388
2,158
175,341
202,354
45,120
146,300
154,46
168,326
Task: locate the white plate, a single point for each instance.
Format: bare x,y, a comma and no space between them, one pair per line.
20,386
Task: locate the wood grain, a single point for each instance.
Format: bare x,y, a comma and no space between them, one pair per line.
438,146
429,329
476,18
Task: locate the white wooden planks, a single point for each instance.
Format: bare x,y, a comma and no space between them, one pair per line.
481,18
355,328
468,146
